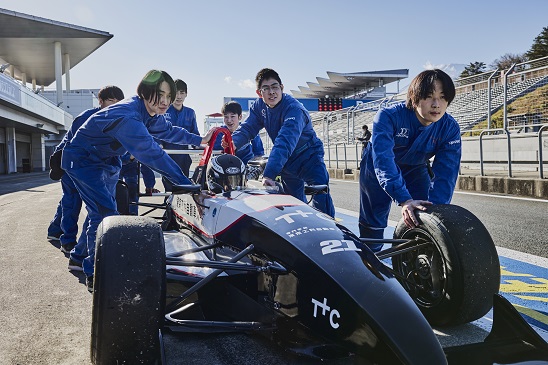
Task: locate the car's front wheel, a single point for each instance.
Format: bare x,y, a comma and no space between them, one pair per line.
453,276
129,291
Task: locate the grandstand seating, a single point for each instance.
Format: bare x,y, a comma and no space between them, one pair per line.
339,123
471,108
468,108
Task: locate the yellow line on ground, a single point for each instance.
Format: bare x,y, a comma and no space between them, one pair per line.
532,313
529,297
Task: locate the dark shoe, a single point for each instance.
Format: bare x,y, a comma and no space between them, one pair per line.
75,265
150,191
67,247
89,283
53,237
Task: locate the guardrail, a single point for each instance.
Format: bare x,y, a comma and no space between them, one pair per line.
524,155
540,160
348,155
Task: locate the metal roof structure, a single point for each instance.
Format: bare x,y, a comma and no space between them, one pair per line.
27,43
343,85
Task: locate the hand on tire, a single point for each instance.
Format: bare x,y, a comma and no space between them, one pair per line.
408,211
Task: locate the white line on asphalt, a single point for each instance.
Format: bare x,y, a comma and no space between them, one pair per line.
471,193
357,215
502,196
523,257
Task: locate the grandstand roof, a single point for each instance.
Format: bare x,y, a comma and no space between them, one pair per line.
346,84
27,43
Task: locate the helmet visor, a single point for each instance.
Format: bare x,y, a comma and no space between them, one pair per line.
230,182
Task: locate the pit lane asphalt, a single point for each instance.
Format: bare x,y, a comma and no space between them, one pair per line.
45,310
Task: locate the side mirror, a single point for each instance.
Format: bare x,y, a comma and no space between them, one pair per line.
315,189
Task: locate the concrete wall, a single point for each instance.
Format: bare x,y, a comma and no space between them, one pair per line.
527,187
524,148
524,153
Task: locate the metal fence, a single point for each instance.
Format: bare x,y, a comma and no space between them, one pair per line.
503,116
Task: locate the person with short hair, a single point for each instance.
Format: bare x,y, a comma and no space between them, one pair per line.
92,157
232,115
297,153
396,164
364,139
182,116
71,202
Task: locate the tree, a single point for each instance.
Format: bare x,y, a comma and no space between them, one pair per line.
539,48
472,69
505,61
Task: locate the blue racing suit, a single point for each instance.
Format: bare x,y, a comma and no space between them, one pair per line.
297,153
148,176
71,202
246,152
54,228
395,165
185,118
92,157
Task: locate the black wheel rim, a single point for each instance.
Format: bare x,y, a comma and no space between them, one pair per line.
424,270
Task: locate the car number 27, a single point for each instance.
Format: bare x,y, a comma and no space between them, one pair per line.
332,246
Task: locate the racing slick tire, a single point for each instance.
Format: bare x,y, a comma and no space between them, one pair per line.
129,291
452,279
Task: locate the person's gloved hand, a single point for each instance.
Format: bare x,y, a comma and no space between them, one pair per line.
268,181
56,172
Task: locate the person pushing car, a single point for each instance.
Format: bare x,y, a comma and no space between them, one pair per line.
92,156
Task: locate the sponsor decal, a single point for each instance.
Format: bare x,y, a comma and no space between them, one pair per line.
454,142
326,311
290,118
404,133
232,170
381,176
288,219
304,230
187,208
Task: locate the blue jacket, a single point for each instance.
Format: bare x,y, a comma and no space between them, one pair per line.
399,139
246,152
129,167
186,118
122,127
76,123
288,125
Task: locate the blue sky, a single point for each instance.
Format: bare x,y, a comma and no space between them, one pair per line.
218,46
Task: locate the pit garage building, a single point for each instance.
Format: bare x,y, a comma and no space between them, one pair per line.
36,52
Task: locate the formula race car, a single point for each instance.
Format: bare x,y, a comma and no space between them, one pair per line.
225,257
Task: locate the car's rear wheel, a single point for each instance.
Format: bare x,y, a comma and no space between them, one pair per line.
454,276
129,291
